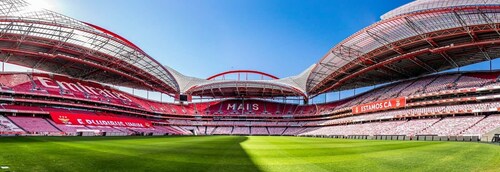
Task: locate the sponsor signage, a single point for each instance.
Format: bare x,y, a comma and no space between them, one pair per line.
241,106
380,105
95,120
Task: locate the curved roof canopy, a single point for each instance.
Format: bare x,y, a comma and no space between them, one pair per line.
421,37
45,40
290,86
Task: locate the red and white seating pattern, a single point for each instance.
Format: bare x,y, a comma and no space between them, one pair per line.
486,125
7,126
61,86
394,91
68,128
201,130
411,127
442,83
451,126
417,87
223,130
34,125
374,128
210,130
107,129
241,131
16,82
292,131
276,130
476,80
259,131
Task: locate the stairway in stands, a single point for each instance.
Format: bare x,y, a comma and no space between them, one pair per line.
473,125
53,124
284,131
416,133
18,126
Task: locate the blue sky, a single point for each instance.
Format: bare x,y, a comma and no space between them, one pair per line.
204,37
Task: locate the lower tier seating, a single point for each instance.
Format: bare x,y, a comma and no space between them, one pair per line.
34,125
259,131
448,126
7,126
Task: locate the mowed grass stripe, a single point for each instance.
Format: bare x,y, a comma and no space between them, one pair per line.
118,154
240,153
278,155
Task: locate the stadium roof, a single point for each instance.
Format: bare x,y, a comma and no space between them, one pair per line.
419,38
45,40
290,86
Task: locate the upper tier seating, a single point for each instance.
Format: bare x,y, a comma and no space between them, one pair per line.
394,91
476,80
267,111
70,87
63,86
16,82
417,87
442,83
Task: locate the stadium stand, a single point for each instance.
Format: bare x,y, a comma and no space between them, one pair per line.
241,131
259,131
7,127
485,125
452,126
432,103
223,130
276,131
34,125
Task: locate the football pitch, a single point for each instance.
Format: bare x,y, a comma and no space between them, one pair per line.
241,153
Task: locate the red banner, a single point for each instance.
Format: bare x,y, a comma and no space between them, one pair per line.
96,120
380,105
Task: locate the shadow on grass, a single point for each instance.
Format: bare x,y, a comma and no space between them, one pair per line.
26,139
172,153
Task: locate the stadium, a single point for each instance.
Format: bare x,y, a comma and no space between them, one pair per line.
417,116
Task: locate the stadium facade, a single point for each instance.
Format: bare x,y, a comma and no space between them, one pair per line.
405,50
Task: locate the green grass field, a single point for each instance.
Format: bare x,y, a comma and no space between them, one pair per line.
240,153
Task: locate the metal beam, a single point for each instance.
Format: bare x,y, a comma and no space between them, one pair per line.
465,26
423,64
384,42
419,31
23,37
490,22
449,59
